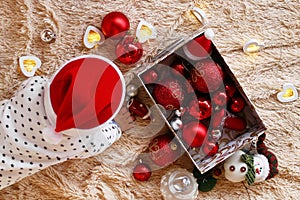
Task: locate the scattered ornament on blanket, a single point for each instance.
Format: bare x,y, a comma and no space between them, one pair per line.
218,119
129,50
92,37
200,15
207,76
150,76
252,46
194,133
235,123
115,25
252,168
200,47
230,89
48,35
145,31
179,184
288,94
200,108
169,94
220,98
137,108
164,150
141,172
206,182
237,104
132,90
210,148
178,69
29,65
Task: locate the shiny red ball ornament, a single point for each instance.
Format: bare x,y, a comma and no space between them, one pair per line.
219,98
164,150
210,148
115,25
129,50
207,76
150,76
218,118
237,104
230,89
169,94
235,123
200,109
194,133
141,172
178,69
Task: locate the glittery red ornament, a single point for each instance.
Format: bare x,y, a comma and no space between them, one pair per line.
194,133
129,50
210,148
235,123
169,94
164,150
219,98
207,76
115,25
200,109
178,69
237,104
230,89
218,118
141,172
150,76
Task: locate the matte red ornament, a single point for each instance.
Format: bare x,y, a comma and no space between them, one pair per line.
164,150
200,109
235,123
150,76
169,94
194,133
218,118
210,148
237,104
141,172
178,69
115,25
129,50
230,89
137,108
219,98
207,76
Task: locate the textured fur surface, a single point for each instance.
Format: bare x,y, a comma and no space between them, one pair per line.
108,176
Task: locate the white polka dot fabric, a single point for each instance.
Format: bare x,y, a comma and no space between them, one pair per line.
23,124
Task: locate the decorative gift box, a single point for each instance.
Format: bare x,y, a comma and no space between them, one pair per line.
191,89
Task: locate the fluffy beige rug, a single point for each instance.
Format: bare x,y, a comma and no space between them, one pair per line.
108,176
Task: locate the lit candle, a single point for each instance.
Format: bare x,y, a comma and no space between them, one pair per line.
199,14
29,65
179,184
288,94
252,46
92,37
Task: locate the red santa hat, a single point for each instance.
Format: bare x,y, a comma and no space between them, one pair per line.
85,93
200,47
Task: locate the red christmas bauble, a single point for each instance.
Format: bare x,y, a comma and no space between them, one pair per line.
207,76
141,172
219,98
169,94
218,118
150,76
200,109
115,25
164,150
230,89
237,104
210,148
178,69
129,50
235,123
194,133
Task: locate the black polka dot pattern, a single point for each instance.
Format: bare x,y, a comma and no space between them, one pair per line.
23,123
